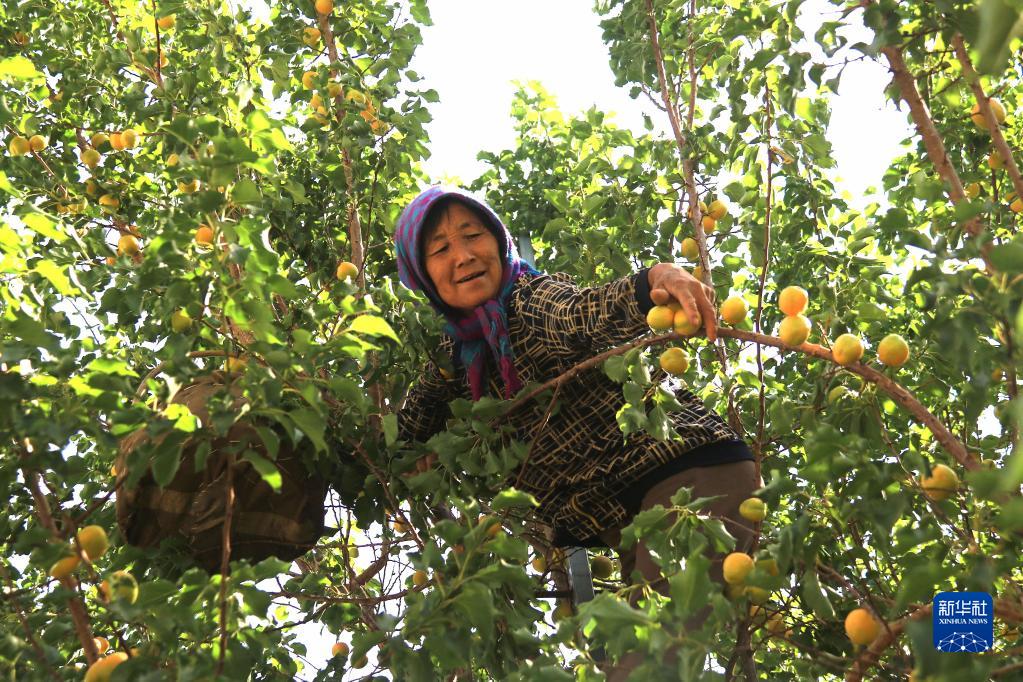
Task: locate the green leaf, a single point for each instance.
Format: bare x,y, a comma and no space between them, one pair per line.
245,191
390,423
1007,257
510,498
312,425
166,460
815,596
55,275
37,222
264,467
371,325
999,24
18,68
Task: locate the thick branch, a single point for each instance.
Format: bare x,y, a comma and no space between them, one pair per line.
79,616
870,655
997,138
898,393
925,126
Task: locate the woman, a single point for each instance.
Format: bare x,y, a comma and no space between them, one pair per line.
508,325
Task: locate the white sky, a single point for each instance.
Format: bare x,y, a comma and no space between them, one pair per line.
476,48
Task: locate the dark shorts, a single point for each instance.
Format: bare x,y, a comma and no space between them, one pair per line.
709,455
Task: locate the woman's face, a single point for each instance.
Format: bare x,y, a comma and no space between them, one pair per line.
463,259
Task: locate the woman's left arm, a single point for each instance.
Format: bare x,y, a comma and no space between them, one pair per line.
591,319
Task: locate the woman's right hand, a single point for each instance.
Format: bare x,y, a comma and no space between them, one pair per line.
670,282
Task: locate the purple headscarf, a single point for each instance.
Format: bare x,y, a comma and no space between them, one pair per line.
487,325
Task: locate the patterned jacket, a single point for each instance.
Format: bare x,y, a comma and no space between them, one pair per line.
582,467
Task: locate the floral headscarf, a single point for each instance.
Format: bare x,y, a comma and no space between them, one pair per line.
487,325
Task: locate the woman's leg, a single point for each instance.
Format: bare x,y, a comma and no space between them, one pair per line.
734,483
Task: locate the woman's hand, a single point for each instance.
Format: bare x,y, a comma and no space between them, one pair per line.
670,282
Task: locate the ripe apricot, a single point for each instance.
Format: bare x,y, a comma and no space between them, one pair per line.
893,350
736,567
792,300
861,627
734,310
794,330
847,349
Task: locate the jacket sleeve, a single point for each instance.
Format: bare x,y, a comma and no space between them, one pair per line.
589,319
425,410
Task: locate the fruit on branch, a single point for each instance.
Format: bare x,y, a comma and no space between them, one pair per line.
339,649
102,644
37,143
181,322
994,160
794,330
660,318
19,146
63,568
189,187
204,236
324,6
753,509
601,567
102,669
861,627
310,36
893,350
717,209
972,190
130,137
166,22
127,245
996,108
563,611
690,249
233,364
736,567
419,578
674,361
93,541
708,223
117,141
734,310
90,157
941,484
847,349
309,80
491,524
539,563
684,326
792,300
347,271
122,586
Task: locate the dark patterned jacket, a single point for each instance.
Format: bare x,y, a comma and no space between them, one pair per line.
582,469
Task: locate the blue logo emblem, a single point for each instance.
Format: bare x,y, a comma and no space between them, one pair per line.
963,622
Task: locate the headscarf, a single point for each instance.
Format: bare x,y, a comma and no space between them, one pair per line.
487,325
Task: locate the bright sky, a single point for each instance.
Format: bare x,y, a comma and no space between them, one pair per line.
475,49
